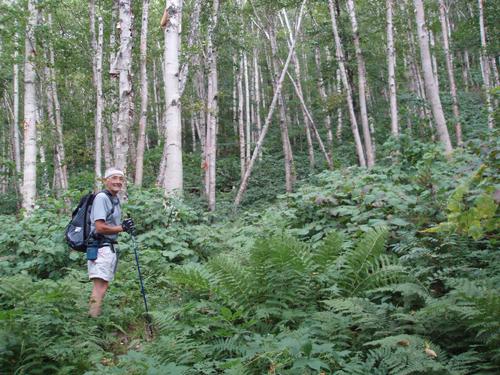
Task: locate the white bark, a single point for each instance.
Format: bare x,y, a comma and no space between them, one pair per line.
194,23
340,118
59,141
172,151
212,108
443,16
485,66
431,88
283,121
324,98
112,102
343,73
248,137
257,92
391,65
433,58
241,124
139,166
123,64
277,92
296,66
97,45
370,152
30,112
15,109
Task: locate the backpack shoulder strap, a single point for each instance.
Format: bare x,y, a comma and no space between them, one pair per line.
110,197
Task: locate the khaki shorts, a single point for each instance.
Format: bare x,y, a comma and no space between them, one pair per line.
104,266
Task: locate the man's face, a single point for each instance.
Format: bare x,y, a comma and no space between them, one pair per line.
114,183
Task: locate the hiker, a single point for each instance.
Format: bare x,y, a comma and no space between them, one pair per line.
102,253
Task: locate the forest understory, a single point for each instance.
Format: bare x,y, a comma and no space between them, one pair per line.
314,183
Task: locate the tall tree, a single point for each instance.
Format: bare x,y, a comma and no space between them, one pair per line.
141,140
212,108
171,165
391,64
431,88
443,17
347,85
362,89
30,111
15,109
123,64
272,106
485,66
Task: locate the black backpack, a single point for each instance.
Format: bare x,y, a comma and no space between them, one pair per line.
77,232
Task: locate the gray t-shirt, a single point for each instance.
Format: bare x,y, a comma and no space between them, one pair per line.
101,210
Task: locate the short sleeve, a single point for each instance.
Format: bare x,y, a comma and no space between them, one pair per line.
100,208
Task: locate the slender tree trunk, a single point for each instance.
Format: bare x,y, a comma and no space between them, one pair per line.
59,148
485,66
97,46
391,64
277,92
241,124
324,98
192,38
112,103
296,66
285,139
212,108
370,154
172,151
30,112
433,58
248,136
343,73
15,115
431,88
156,105
139,166
340,119
257,92
466,70
443,16
123,63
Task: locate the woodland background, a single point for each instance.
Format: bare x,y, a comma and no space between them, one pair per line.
315,185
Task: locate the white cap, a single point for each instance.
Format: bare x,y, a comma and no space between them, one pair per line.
113,172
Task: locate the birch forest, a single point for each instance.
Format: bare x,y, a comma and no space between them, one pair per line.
314,183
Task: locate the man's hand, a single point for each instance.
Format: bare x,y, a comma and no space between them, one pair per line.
128,226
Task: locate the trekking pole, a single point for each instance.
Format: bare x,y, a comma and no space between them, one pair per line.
143,292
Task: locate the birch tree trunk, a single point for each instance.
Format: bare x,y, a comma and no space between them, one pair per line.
30,112
248,136
97,51
277,92
485,66
391,64
345,80
212,108
431,88
324,98
172,151
370,152
112,102
123,64
59,141
285,139
15,114
192,38
241,124
433,58
296,66
139,166
443,16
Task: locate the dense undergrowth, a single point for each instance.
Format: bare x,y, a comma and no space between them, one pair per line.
394,270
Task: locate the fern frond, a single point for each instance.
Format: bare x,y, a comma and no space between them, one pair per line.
329,250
